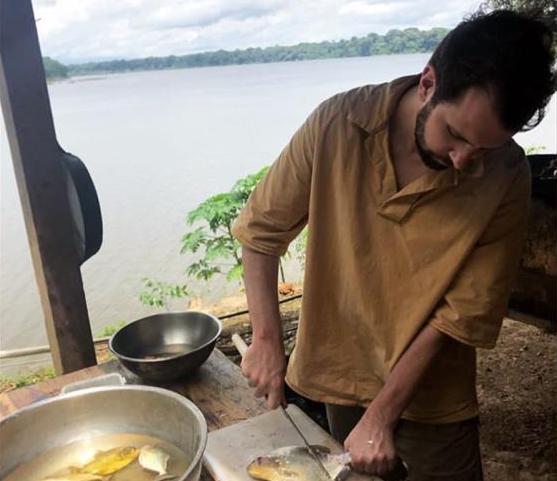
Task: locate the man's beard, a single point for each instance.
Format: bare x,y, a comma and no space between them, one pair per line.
428,157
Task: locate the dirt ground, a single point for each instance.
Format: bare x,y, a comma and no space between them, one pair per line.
518,397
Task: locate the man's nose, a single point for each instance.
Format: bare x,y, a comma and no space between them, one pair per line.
460,157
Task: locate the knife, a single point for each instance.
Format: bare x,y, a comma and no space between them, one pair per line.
307,445
242,348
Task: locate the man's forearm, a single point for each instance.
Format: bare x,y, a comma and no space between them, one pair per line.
405,377
260,279
264,363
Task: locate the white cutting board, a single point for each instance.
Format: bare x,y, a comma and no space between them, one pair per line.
230,450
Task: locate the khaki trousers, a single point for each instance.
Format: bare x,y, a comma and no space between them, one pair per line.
432,452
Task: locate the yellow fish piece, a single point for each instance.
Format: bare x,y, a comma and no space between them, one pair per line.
108,462
295,463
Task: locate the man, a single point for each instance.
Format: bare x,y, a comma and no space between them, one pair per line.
415,197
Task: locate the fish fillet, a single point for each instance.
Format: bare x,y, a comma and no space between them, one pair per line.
295,463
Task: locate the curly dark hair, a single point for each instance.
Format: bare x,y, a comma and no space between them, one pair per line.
508,54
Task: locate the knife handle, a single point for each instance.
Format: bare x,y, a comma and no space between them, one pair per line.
239,343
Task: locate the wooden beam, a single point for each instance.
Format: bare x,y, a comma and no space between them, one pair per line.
42,185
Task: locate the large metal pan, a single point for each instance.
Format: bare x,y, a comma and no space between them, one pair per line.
166,346
97,411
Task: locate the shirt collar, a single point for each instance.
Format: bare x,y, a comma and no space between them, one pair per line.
372,108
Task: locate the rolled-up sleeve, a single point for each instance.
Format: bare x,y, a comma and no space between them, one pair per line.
474,307
277,209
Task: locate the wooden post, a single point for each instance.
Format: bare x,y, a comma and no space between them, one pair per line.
42,185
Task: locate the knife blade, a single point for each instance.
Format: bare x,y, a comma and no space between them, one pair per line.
306,444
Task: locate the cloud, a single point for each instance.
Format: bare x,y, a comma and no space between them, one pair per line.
81,30
372,8
205,13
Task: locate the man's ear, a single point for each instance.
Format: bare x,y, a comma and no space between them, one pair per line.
426,86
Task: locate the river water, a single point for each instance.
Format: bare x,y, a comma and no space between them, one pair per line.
156,145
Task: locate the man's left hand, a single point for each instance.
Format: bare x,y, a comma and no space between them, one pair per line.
371,444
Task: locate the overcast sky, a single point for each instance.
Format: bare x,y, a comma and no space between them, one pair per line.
79,30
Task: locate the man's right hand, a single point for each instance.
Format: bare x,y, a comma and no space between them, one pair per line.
264,365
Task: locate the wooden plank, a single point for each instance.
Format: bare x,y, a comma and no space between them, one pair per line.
221,392
42,186
19,398
218,388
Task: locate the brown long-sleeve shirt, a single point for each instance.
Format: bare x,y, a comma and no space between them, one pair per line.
382,262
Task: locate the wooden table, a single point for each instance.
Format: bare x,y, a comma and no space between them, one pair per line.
218,389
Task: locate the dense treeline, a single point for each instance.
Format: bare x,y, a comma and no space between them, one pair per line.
54,69
410,40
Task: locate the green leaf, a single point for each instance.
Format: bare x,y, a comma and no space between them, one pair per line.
534,149
109,330
219,248
158,293
235,273
202,270
192,241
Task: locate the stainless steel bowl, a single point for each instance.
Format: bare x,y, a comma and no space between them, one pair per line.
98,411
166,346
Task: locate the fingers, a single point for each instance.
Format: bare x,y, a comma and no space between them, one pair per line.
283,401
270,388
267,378
380,464
276,398
261,390
273,392
263,387
251,375
370,458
